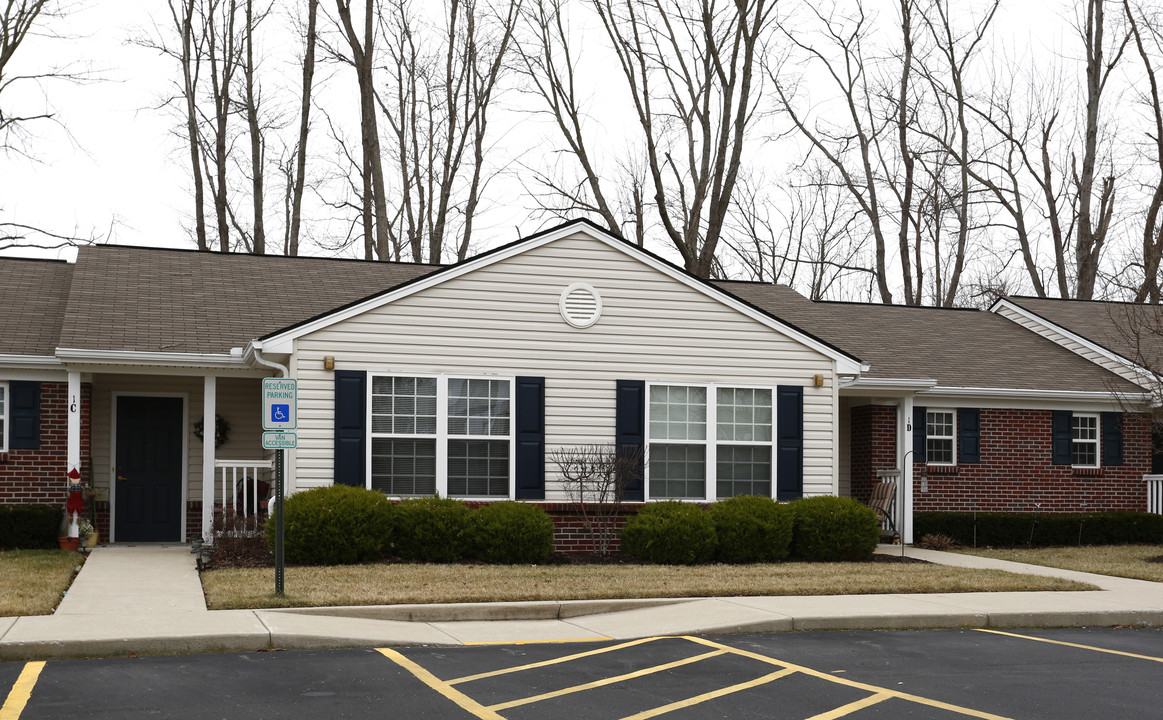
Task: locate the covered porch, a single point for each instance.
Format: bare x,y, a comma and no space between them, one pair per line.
168,447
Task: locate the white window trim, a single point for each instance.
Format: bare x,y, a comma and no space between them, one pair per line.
442,436
953,412
711,441
6,396
1097,441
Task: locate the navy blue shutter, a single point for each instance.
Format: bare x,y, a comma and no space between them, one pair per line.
530,429
1112,438
24,414
630,434
1062,434
920,433
969,435
789,445
351,427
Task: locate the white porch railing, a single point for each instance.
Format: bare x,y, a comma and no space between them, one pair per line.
1154,493
238,485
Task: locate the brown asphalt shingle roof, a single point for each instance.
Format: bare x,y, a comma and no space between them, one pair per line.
154,300
33,295
1132,330
957,348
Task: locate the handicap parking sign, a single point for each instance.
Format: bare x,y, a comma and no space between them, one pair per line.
280,400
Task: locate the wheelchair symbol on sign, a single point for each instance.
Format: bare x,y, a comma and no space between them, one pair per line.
280,413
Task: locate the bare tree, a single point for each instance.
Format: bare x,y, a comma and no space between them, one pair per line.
20,19
361,45
1092,228
1146,27
297,179
439,89
691,72
595,478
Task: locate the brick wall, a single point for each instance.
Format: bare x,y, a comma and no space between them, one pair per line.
1016,472
38,476
873,447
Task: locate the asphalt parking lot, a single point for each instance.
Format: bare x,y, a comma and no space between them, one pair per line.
1066,673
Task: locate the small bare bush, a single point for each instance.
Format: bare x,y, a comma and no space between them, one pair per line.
595,478
937,542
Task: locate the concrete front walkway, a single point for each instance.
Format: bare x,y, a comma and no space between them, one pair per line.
148,600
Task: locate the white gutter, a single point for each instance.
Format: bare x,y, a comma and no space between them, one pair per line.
38,361
915,384
134,357
1082,395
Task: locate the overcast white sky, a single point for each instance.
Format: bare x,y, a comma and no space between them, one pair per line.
121,174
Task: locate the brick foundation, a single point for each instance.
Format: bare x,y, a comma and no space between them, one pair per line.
1016,472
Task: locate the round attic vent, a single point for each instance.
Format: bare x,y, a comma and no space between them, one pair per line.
581,306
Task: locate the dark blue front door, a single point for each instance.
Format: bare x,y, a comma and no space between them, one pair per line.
148,503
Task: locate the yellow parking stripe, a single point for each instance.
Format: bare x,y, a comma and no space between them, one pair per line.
709,696
606,681
433,682
852,707
1074,645
546,663
21,691
851,683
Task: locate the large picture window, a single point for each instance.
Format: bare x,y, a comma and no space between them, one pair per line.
443,435
941,437
709,442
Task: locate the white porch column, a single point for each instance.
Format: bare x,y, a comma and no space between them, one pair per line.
906,500
73,457
209,408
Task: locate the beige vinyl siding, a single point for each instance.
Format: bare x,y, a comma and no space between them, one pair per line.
504,320
238,402
1070,344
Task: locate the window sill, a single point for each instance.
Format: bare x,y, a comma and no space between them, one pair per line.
941,469
1087,471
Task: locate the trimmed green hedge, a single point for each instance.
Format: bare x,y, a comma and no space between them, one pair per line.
336,525
751,529
998,529
509,533
29,527
830,529
670,533
433,529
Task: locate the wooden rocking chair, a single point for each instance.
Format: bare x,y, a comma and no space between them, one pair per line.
883,497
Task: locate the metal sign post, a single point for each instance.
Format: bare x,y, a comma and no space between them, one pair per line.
280,569
280,414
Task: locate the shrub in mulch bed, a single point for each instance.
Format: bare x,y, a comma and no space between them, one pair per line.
239,542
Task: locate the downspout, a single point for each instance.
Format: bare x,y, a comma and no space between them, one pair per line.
258,358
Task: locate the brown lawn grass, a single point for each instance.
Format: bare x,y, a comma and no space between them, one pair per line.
391,584
1129,561
31,581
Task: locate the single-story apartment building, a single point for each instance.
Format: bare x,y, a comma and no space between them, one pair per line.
463,380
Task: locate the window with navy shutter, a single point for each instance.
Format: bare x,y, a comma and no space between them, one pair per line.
530,430
24,415
1112,438
630,434
789,428
920,439
969,435
350,427
1062,436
